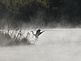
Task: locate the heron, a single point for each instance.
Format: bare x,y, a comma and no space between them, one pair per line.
33,37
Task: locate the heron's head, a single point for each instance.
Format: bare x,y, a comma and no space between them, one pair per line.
39,30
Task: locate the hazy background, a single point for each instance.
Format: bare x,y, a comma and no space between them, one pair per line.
40,13
57,44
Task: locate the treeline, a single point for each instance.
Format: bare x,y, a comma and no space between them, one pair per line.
41,11
16,4
17,7
34,11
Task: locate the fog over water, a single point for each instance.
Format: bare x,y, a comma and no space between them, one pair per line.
58,20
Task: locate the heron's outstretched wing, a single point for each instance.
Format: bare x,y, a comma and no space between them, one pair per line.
39,33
